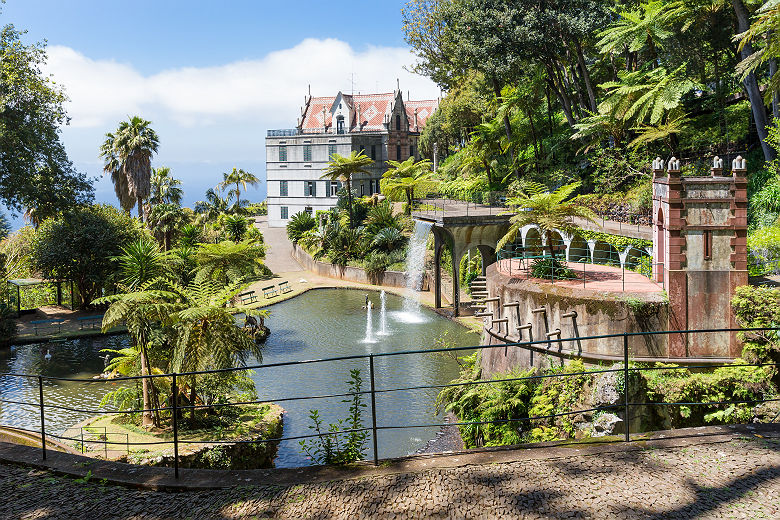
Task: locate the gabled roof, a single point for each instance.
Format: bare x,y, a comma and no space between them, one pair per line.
425,109
372,109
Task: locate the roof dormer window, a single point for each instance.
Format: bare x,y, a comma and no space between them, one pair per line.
340,125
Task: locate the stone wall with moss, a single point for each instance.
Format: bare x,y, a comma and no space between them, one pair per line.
598,313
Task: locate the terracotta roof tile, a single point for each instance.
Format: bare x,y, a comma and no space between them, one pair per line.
372,109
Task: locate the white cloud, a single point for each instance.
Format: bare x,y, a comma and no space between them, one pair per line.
268,90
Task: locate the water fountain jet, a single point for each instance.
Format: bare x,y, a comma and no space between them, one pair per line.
383,315
415,271
369,326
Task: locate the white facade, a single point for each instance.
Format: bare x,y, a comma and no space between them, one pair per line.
302,179
296,159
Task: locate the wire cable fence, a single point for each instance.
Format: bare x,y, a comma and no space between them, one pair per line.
174,411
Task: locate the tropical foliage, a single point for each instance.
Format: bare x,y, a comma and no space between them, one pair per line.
36,175
342,169
550,210
127,158
407,180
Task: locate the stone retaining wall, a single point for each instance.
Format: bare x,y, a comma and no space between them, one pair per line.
598,313
350,273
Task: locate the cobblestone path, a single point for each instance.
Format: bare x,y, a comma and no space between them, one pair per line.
736,479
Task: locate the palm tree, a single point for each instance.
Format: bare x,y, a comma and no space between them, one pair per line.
486,144
236,227
342,169
113,166
140,262
649,27
164,188
407,178
551,211
207,337
238,178
214,205
164,220
127,156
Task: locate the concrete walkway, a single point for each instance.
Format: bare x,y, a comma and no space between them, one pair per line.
278,256
716,472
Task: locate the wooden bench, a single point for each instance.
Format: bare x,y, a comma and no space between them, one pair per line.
270,291
42,323
284,287
248,297
92,321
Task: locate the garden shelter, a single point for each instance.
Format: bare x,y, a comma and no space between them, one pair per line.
16,285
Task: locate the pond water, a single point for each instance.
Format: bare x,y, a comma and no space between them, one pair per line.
318,324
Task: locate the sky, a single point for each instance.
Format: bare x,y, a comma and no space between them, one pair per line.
211,76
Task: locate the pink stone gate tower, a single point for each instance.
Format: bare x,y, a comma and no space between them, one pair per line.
700,247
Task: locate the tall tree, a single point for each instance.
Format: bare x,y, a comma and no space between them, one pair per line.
127,155
751,83
164,188
35,173
207,337
550,210
407,179
238,178
80,246
342,169
214,205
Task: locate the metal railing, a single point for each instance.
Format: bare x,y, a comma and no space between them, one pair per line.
543,346
537,262
284,132
482,204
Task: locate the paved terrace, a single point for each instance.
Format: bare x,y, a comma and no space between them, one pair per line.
594,277
716,472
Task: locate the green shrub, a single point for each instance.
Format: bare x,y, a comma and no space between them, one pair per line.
334,445
7,324
723,384
299,224
551,269
756,307
376,263
764,251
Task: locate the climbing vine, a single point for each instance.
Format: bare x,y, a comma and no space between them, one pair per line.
617,241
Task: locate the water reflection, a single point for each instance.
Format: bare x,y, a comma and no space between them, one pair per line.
318,324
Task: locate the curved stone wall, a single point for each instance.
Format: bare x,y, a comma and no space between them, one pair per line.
597,313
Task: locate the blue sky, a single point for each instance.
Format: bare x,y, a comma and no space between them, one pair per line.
211,76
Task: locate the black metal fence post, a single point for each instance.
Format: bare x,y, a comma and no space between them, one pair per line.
373,409
43,419
625,388
175,410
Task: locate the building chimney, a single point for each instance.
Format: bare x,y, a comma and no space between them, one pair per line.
416,126
357,118
324,121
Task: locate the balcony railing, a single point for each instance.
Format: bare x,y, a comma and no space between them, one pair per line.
284,132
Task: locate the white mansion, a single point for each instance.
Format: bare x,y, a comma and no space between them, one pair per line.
383,126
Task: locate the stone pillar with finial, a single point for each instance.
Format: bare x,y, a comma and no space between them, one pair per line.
700,243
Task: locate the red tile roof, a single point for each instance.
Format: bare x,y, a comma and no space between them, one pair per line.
372,109
425,109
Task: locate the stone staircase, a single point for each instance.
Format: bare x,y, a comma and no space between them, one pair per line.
478,294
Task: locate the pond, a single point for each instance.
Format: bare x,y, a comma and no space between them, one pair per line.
321,323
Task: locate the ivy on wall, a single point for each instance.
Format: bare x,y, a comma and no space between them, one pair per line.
619,242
